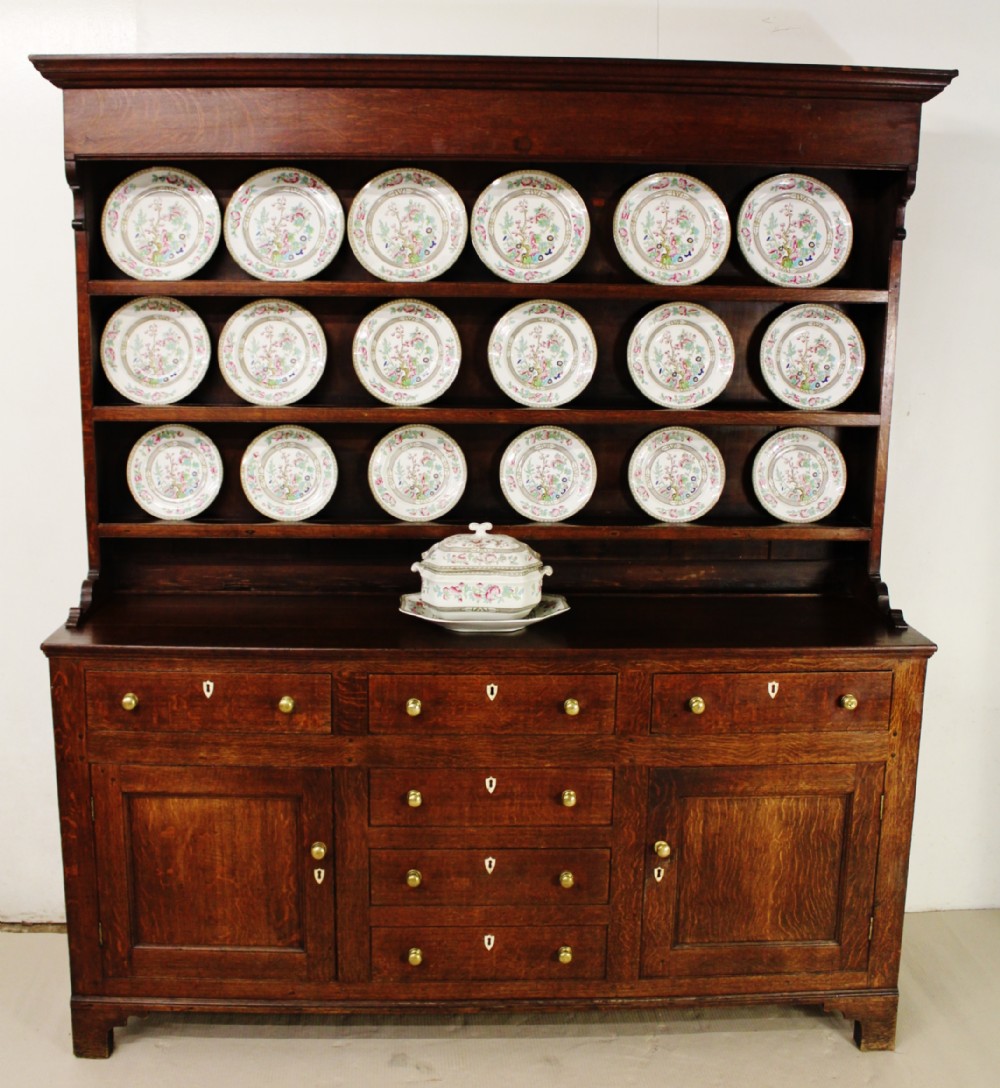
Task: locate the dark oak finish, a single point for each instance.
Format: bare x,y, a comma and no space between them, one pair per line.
279,795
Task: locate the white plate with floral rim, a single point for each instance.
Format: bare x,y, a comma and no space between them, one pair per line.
417,473
680,355
548,474
799,475
676,474
406,352
161,224
530,227
288,473
542,353
272,352
482,623
155,350
407,225
174,472
671,228
812,356
795,231
284,224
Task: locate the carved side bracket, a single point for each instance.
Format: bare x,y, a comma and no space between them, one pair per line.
892,616
87,593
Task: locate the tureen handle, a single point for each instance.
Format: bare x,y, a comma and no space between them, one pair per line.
480,529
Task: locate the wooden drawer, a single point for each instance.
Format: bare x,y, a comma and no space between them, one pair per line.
236,702
504,703
501,797
508,953
560,877
770,702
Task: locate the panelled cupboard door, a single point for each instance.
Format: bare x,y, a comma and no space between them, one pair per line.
210,872
760,870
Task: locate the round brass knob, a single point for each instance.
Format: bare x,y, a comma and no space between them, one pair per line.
568,798
696,704
413,707
566,879
571,707
318,850
413,878
849,702
566,954
414,798
414,957
286,704
661,849
130,701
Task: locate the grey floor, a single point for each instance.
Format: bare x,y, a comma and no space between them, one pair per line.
948,1036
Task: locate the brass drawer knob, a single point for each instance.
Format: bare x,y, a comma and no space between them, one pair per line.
661,849
568,798
413,878
413,707
318,850
286,704
696,704
566,954
571,707
414,798
566,879
130,701
849,702
414,957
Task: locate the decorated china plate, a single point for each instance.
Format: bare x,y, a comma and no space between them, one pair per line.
406,352
174,472
288,473
155,350
671,229
795,231
676,474
484,623
680,355
284,224
417,473
530,227
161,224
407,225
799,475
548,474
542,353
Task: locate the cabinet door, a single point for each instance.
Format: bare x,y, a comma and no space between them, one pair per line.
209,872
762,870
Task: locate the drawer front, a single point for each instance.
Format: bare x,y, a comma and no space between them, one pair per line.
546,877
501,797
230,702
770,702
510,953
507,703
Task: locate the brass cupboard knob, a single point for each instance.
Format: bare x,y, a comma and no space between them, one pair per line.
414,798
571,707
413,878
565,954
286,704
849,702
415,957
318,850
568,798
566,879
696,704
661,849
413,707
130,701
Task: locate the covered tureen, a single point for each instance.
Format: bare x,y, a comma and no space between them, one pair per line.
481,573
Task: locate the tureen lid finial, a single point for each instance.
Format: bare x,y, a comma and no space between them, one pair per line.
480,529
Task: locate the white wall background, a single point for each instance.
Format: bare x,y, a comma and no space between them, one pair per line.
940,556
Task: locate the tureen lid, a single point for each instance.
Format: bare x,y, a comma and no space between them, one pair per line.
478,550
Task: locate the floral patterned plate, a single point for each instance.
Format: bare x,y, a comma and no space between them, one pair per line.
288,473
160,224
548,474
671,228
799,475
417,473
174,472
406,352
407,225
812,357
542,353
483,623
155,350
530,227
795,231
272,352
680,355
284,224
676,474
